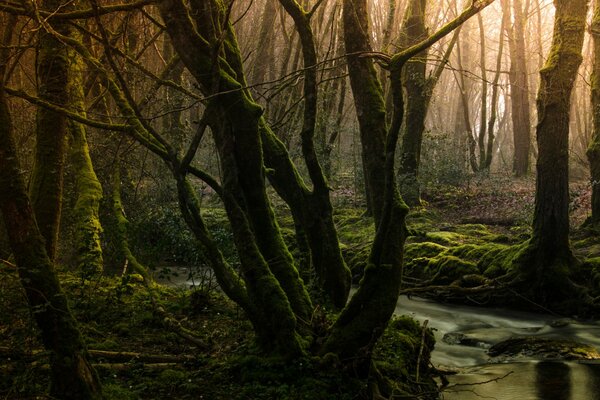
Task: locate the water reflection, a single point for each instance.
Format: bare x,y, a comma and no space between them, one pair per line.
553,380
593,380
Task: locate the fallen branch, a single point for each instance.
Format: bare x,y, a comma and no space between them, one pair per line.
140,357
126,366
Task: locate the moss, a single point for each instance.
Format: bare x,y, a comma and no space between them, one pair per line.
445,238
116,392
447,269
500,259
397,354
422,249
561,349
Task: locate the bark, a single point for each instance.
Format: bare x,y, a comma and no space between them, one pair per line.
274,287
418,99
72,376
519,89
546,260
89,191
494,105
332,272
484,88
46,187
593,151
418,93
363,320
368,101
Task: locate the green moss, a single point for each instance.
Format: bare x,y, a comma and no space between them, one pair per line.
445,238
116,392
397,353
500,259
422,250
446,269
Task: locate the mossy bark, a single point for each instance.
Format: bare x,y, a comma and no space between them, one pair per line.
72,376
593,151
364,319
418,94
368,100
46,186
274,287
545,262
332,273
88,187
122,226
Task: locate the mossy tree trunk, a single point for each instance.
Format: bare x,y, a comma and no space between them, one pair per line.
363,320
593,152
545,261
332,272
418,94
46,186
88,187
312,210
72,376
368,100
208,48
418,89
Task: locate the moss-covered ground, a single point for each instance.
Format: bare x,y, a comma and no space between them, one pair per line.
460,239
118,316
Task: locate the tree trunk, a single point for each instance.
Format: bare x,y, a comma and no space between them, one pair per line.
72,376
368,101
519,89
412,136
46,187
593,151
418,94
494,105
545,262
89,191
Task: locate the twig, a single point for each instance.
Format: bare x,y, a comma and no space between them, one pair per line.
8,263
480,383
421,348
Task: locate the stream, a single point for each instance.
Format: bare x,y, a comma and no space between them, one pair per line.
478,376
525,379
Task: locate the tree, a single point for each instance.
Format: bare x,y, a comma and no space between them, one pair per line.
72,376
519,88
46,188
419,90
546,260
593,152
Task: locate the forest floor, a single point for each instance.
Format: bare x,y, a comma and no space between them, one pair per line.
118,316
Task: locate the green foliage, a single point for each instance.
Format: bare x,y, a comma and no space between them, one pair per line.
161,236
303,379
442,160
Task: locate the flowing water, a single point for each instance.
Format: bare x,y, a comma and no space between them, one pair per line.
527,379
477,375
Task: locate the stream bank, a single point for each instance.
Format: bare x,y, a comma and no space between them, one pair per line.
525,377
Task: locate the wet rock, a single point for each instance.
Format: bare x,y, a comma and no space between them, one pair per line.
458,338
542,348
560,323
